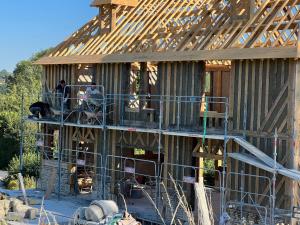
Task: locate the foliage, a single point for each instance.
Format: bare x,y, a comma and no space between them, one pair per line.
139,152
24,81
31,163
4,74
12,182
209,172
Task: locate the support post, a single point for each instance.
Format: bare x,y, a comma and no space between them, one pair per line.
159,151
274,177
224,158
243,164
104,156
178,112
61,127
22,134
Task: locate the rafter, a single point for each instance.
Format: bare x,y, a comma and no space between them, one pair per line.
156,26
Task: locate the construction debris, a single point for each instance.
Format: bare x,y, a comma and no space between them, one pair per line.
13,209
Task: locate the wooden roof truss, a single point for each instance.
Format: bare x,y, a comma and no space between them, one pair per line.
156,26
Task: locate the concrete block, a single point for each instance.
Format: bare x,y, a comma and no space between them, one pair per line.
2,196
4,204
13,216
31,214
3,222
31,201
14,203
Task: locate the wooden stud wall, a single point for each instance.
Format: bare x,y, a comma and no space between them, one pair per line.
54,73
180,79
173,79
114,77
263,89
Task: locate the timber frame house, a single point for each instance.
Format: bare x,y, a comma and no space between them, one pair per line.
181,82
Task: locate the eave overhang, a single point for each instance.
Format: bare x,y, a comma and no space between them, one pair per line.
170,56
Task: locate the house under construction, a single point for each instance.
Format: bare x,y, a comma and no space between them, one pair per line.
179,83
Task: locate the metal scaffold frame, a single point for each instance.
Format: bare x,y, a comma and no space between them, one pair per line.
109,101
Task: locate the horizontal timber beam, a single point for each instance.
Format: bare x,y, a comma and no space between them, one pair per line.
132,3
171,56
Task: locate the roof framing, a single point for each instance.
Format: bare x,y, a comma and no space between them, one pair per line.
193,29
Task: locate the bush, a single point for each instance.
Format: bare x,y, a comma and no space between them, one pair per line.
12,182
30,182
31,163
209,172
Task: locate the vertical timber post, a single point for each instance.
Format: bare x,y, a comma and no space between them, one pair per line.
294,99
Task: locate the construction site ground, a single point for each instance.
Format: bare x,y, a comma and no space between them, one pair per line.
62,209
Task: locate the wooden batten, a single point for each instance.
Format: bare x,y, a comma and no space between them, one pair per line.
155,31
242,10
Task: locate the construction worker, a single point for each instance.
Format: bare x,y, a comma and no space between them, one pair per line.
39,108
64,91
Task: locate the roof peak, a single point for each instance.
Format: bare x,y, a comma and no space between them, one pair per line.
99,3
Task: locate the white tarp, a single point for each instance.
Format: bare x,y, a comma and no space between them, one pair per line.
256,152
293,174
251,161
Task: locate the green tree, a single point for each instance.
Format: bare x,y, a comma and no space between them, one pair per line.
4,75
25,80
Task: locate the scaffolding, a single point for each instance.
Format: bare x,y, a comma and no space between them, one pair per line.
194,116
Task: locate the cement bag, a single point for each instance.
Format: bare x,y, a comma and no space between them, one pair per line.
108,207
94,213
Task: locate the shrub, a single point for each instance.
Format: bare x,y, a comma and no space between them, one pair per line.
12,182
31,163
30,182
209,172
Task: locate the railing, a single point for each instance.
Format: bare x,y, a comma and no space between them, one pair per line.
79,104
50,111
178,177
82,169
141,111
130,176
47,145
87,107
172,113
245,205
168,113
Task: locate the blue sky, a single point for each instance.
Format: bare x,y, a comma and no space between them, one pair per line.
27,26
